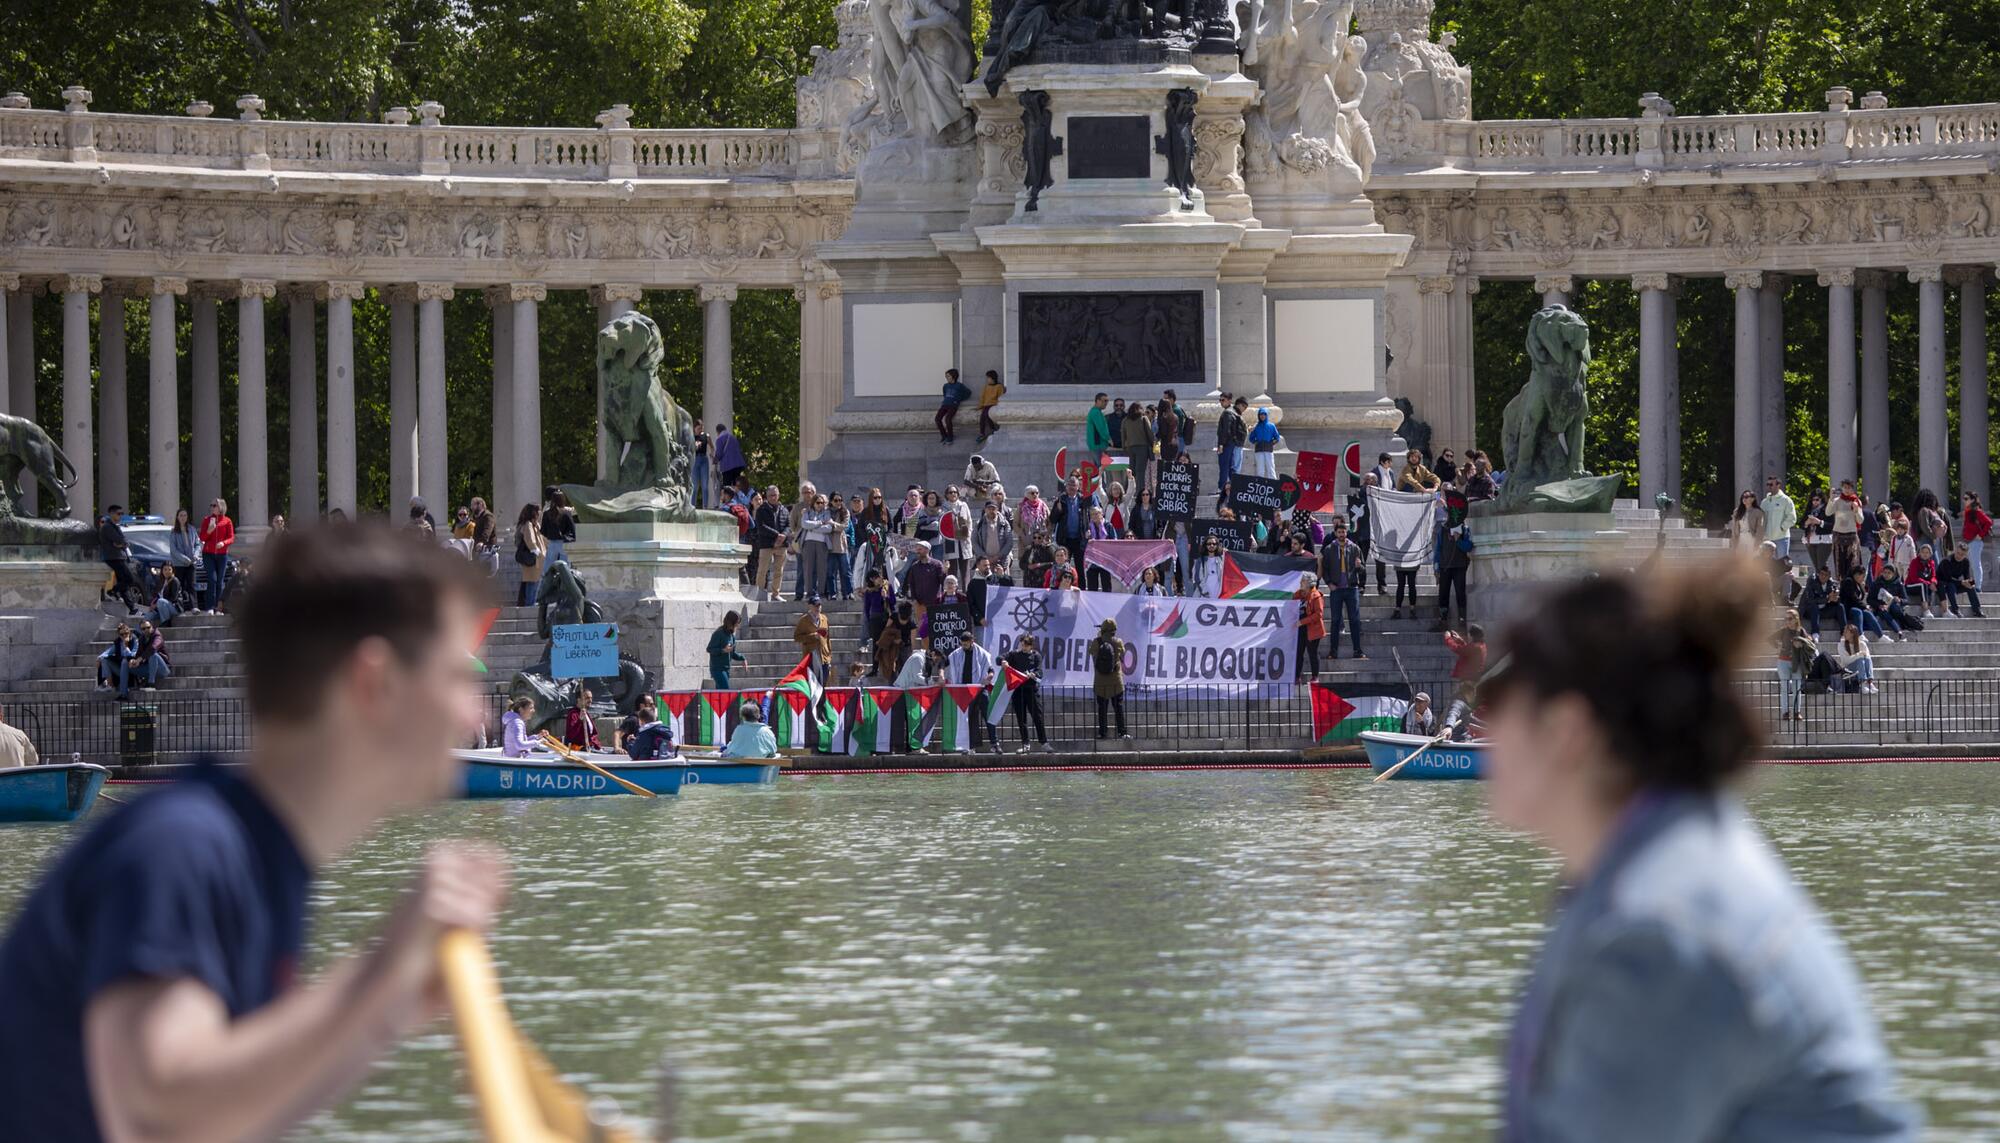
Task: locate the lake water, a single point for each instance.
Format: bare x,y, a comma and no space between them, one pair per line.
1177,956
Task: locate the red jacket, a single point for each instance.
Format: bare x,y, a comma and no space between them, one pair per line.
217,533
1977,526
579,730
1471,656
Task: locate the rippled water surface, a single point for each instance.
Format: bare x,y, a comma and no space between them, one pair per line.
1179,956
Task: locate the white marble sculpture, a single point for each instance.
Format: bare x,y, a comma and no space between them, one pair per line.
1309,126
921,55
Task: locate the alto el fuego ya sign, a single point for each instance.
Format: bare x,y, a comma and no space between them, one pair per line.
1225,644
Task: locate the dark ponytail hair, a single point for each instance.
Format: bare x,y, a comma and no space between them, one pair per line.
1654,660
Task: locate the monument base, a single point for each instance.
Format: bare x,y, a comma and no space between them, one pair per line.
1517,555
667,586
48,605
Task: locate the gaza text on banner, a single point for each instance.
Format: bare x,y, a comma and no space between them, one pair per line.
1220,643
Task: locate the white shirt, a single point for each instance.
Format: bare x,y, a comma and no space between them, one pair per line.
914,669
982,666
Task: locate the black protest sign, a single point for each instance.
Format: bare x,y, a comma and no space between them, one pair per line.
1252,496
948,622
1178,491
1288,490
1236,535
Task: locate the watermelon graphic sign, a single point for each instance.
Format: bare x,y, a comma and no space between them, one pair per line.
1085,468
1350,458
1319,472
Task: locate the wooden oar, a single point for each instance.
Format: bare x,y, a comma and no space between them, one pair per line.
563,751
1412,756
521,1099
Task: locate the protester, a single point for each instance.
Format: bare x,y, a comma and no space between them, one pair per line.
896,635
1096,578
1345,577
872,525
1746,524
1040,560
985,577
529,547
981,476
152,982
1688,989
839,539
1144,521
751,738
1415,477
1454,559
1206,576
992,536
1956,577
558,524
954,394
1974,526
1139,443
955,529
1480,487
1264,441
1031,517
729,455
16,749
514,728
1231,434
810,633
923,580
814,533
878,603
972,665
722,652
916,667
770,540
1420,718
1096,429
579,729
1150,585
652,739
1026,702
1107,665
989,396
1851,655
1071,514
1311,625
808,497
1063,575
1780,514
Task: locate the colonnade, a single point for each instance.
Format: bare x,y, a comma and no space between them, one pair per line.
96,436
1858,413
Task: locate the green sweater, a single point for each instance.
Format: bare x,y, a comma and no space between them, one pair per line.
1096,431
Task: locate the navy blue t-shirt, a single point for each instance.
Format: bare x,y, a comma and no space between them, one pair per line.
200,880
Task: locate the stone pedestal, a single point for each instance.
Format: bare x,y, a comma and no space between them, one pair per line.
48,607
1515,555
667,587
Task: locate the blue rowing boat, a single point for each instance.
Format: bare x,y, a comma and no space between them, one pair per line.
725,772
491,774
56,793
1444,761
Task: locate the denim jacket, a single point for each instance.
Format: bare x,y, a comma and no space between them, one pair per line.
1689,991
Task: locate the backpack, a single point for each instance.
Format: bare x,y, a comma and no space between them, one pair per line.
1105,659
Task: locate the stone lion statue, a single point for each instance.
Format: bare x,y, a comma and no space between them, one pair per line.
26,447
564,599
1541,432
651,437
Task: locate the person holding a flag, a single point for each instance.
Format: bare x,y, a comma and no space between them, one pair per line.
972,665
1025,661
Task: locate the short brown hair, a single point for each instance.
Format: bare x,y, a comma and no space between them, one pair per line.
321,591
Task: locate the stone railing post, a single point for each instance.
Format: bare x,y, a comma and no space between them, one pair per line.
1833,142
250,110
431,153
1651,151
82,128
616,123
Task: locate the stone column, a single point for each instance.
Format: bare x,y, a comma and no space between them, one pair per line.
205,381
433,440
1771,376
402,401
1874,384
612,298
342,479
253,426
1673,303
303,385
1654,412
21,364
1434,333
1461,385
163,412
1749,408
500,299
8,284
78,436
820,341
114,426
526,470
1842,458
1933,432
1974,416
718,378
1554,288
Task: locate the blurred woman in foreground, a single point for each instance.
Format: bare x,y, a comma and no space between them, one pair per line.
1688,990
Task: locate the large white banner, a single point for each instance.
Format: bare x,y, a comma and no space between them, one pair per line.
1222,643
1401,525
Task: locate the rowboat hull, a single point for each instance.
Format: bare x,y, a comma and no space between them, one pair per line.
1445,761
54,793
730,773
491,774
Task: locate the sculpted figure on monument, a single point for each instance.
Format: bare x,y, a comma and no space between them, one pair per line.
1309,121
1541,432
652,438
26,448
921,54
1039,146
1178,143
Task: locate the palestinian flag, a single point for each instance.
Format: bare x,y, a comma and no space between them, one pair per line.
1001,692
794,707
486,619
954,718
693,721
1248,575
837,730
721,715
1338,718
874,719
920,715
